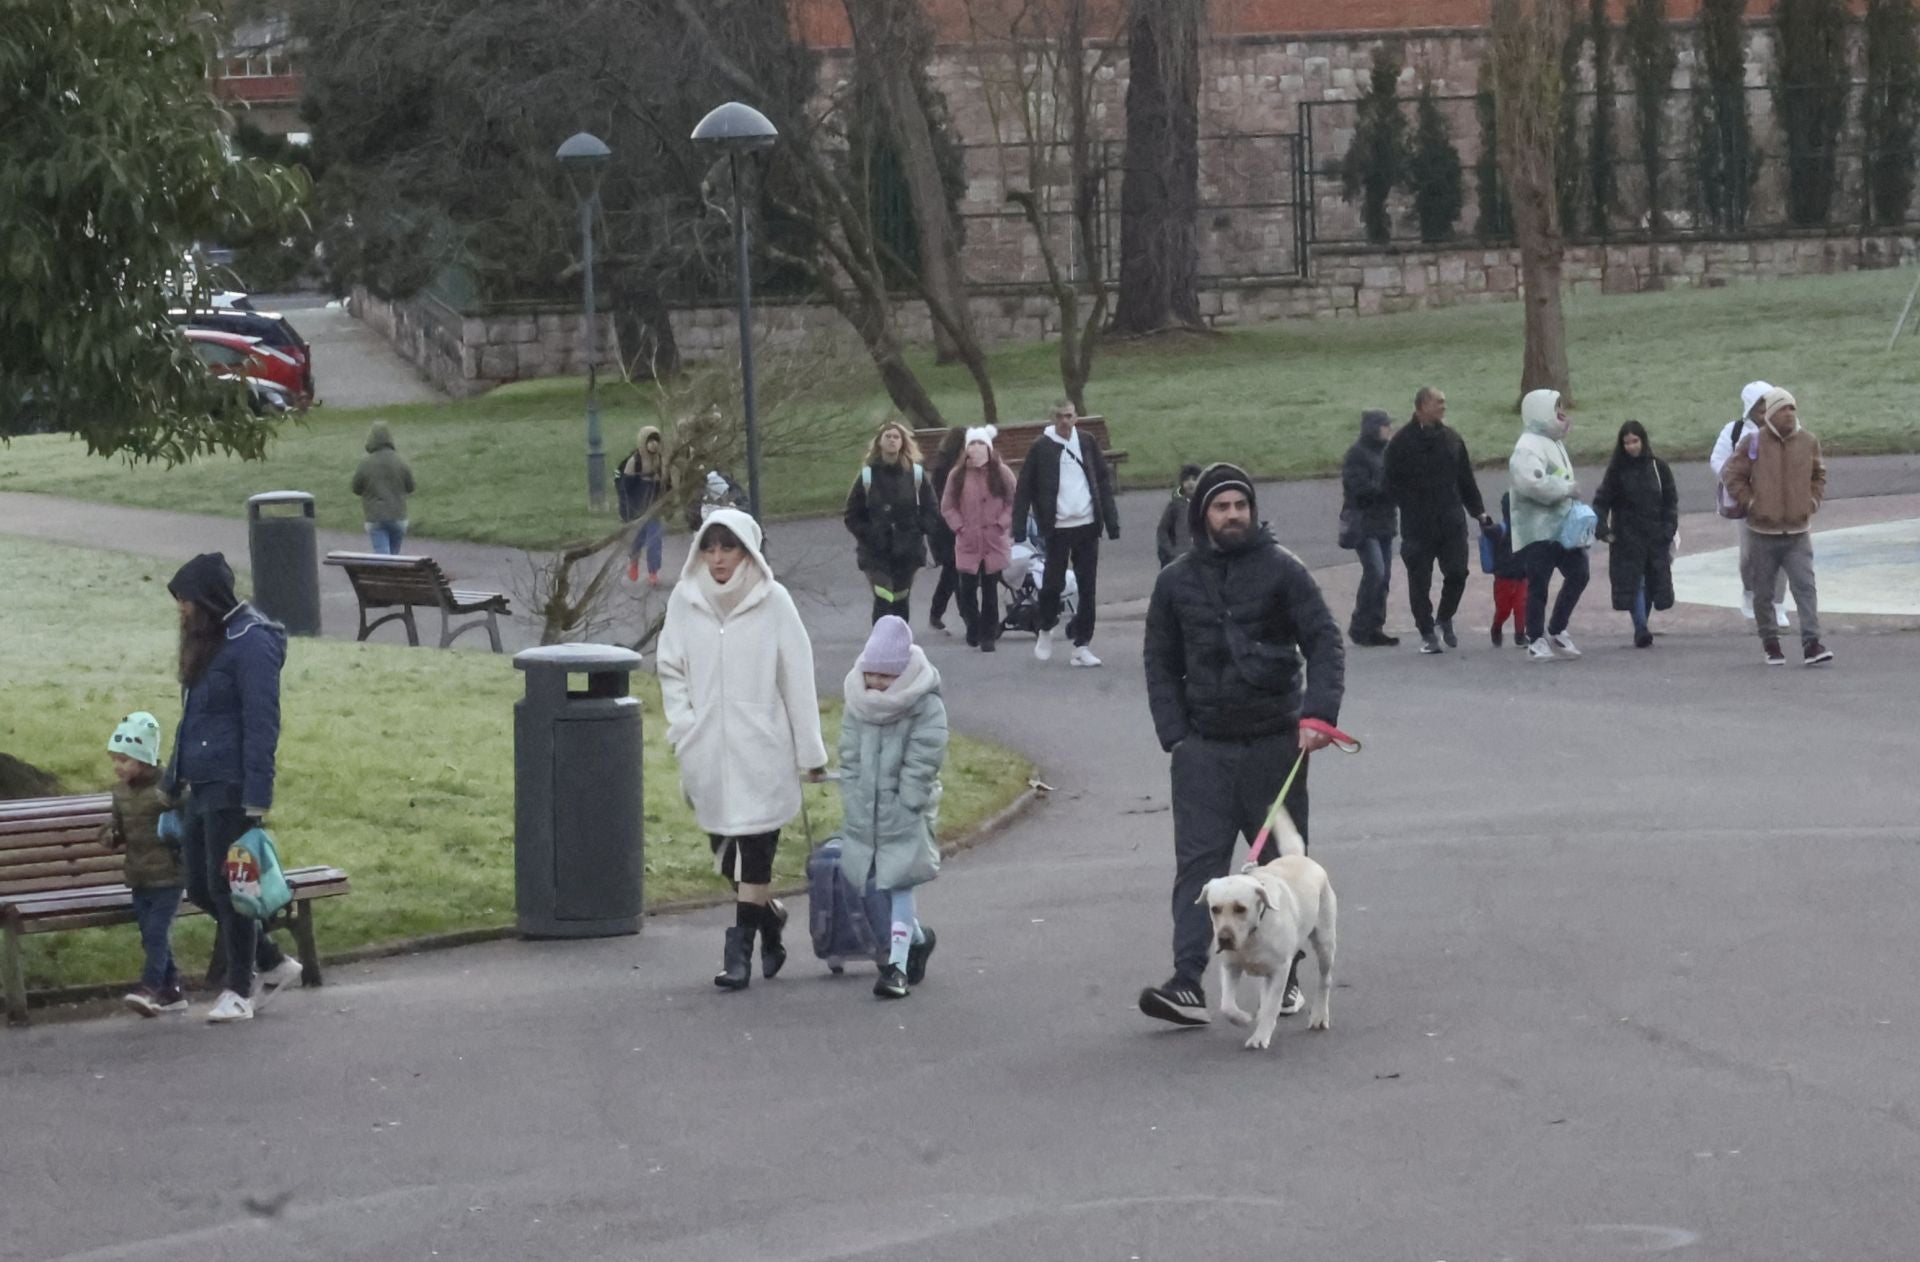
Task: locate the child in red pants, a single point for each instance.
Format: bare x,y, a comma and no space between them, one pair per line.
1509,577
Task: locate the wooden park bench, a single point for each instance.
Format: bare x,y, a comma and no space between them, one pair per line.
1015,441
409,583
55,873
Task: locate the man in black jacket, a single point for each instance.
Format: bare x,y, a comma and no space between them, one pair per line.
1227,628
1066,485
1431,477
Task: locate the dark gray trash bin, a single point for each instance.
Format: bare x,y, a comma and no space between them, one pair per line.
286,559
577,825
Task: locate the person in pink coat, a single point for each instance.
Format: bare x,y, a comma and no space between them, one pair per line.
978,505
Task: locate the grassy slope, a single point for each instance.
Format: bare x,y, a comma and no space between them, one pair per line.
396,764
1282,398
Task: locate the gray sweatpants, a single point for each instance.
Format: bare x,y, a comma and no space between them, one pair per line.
1768,556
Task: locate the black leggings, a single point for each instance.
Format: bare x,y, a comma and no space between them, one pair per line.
980,605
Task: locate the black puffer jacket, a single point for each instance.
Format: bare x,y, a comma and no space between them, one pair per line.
1431,477
892,520
1365,499
1639,510
1239,643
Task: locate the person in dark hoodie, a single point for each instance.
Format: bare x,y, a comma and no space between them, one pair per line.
222,770
1172,537
1639,510
1368,523
383,481
1245,673
1431,476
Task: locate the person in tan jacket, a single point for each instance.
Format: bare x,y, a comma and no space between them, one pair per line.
1778,479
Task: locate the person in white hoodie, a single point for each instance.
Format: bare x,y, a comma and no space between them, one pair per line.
893,740
1752,400
736,683
1540,474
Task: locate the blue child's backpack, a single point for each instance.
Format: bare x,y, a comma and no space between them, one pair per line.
1578,526
1490,547
846,923
258,886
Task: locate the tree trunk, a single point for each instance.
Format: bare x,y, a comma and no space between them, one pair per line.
1529,37
644,329
885,50
1160,191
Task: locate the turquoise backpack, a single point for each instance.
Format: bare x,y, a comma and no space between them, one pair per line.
258,886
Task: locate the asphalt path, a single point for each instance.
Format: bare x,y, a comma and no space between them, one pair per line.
1623,973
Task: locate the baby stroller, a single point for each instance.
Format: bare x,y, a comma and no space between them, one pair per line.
1026,569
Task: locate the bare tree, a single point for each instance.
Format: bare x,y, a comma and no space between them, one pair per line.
1160,192
1528,36
1039,69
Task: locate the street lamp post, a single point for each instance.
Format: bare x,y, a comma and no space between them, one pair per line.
585,156
739,128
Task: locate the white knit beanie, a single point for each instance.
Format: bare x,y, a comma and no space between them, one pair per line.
982,434
1774,400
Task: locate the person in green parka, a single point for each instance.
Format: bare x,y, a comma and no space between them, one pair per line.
893,740
383,481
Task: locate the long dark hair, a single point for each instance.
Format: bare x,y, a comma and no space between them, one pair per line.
201,634
1621,459
999,473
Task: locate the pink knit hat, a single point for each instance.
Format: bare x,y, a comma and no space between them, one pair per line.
889,647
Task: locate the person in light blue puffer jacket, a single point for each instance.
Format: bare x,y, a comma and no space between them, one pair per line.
1543,490
893,740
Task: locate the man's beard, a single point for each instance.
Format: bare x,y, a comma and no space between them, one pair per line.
200,636
1231,536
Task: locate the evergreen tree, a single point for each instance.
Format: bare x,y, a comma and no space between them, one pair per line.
1376,161
1650,62
1810,99
1888,109
1433,171
1600,181
1495,211
1570,184
1723,138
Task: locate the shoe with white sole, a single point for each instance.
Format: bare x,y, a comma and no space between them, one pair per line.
1746,605
1541,651
1561,646
230,1007
266,985
1292,1001
143,1001
1083,656
1177,1003
1043,646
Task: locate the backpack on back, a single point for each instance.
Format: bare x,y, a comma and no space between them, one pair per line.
1723,499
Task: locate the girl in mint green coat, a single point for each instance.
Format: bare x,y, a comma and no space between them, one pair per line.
893,739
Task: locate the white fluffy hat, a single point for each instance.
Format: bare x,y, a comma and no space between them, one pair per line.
982,434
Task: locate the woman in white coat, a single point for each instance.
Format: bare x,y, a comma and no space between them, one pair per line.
736,681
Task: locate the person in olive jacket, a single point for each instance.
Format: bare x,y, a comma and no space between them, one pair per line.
892,511
1245,670
223,764
383,481
1639,510
1368,523
1431,476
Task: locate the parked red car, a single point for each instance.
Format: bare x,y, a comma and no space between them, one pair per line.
232,355
270,327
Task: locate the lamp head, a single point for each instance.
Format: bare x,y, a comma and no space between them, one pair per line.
736,126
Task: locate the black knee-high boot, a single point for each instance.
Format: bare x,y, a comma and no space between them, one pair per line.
736,968
773,955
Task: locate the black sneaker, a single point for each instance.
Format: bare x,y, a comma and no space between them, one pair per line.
1498,635
1446,633
1381,640
891,984
1771,647
917,956
1817,654
1643,639
1177,1002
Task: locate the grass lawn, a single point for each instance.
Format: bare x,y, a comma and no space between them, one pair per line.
396,764
1283,399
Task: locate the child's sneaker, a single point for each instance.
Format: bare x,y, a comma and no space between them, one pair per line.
633,570
891,984
917,956
230,1007
143,1001
1498,635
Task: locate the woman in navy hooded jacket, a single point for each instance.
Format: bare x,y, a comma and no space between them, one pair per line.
223,761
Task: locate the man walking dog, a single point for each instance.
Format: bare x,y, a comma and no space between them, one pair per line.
1227,629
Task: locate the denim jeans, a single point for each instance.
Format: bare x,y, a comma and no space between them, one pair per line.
1543,557
154,908
649,537
1376,579
386,537
1639,611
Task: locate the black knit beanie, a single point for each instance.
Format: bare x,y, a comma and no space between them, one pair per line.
206,581
1214,479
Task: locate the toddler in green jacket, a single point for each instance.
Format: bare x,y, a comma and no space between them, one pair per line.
148,833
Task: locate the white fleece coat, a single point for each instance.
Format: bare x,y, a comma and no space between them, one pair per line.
1540,472
742,714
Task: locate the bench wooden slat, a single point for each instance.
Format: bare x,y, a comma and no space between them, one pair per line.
31,910
1015,441
20,877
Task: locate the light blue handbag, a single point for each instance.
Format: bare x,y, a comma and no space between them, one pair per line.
1578,526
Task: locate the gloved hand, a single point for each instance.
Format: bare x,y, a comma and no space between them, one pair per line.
169,827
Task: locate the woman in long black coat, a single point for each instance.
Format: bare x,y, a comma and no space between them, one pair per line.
1639,510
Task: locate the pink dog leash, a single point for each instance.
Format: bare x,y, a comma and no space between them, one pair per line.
1340,741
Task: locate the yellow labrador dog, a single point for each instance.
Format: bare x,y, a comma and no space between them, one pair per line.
1263,918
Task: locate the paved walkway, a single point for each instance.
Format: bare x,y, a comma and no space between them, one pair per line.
1623,973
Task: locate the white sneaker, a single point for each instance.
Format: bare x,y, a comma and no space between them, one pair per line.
1746,605
230,1007
1291,1001
266,985
1043,646
1779,615
1540,651
1561,646
1083,656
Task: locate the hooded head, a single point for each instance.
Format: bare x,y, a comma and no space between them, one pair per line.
206,582
379,437
1780,412
744,529
1540,414
1189,478
1750,395
716,485
1216,480
1374,425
